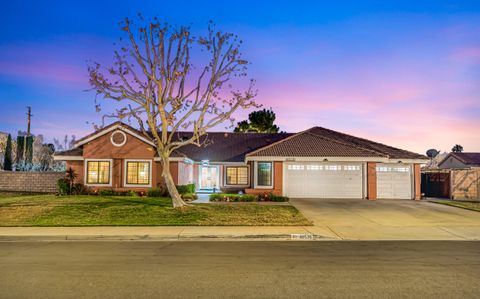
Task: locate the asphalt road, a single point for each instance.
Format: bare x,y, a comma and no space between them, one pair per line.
429,269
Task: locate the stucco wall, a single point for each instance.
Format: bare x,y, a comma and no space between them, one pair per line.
43,182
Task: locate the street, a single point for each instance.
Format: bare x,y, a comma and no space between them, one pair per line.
387,269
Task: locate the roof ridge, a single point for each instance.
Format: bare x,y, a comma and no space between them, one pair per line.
346,144
277,142
367,140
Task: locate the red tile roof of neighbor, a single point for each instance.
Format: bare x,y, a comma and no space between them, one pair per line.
471,159
317,141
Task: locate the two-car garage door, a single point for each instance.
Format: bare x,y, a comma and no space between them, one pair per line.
324,180
345,180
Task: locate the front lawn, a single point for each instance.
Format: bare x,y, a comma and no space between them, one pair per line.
89,210
469,205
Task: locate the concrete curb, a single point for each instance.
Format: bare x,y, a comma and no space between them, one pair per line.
181,237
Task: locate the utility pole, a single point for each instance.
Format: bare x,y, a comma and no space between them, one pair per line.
29,114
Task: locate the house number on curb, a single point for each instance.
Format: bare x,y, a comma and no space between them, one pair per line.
302,237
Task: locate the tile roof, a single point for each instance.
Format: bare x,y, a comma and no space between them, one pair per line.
471,159
228,146
315,142
319,141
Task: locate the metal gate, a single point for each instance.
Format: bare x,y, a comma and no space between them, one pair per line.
436,184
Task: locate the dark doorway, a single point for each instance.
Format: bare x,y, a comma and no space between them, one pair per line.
436,184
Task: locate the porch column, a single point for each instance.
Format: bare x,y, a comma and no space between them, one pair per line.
371,180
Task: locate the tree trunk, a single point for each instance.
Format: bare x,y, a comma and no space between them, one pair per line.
172,189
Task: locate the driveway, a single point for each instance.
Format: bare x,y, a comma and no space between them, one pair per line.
391,219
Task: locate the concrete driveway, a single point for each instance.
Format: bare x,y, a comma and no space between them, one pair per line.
392,219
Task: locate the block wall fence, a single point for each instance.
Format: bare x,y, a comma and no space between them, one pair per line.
19,181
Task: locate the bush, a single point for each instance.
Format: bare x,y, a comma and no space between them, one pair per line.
232,197
184,189
189,196
131,193
278,198
79,189
107,192
157,192
63,186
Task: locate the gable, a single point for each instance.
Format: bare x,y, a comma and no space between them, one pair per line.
114,127
102,147
451,162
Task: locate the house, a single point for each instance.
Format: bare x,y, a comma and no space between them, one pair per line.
317,163
457,177
460,161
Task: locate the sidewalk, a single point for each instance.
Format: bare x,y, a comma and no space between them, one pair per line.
239,233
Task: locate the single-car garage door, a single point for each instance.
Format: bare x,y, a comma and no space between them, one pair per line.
394,181
323,180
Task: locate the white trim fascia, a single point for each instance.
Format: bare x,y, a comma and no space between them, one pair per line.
125,173
255,175
85,168
336,159
172,159
115,127
68,158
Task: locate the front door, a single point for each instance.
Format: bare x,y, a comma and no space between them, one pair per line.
209,177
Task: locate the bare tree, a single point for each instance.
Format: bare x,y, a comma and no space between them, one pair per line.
157,84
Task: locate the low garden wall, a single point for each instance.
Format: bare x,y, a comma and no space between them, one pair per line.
20,181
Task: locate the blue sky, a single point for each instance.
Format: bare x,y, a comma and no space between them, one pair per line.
401,72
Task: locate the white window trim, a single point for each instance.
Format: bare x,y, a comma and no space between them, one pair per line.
124,138
85,177
240,185
126,170
255,175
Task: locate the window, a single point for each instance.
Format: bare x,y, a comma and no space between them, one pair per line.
295,167
333,167
264,174
98,172
351,167
138,173
314,167
237,175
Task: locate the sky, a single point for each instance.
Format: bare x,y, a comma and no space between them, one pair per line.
404,73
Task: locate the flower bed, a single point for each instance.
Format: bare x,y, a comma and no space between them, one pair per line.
227,197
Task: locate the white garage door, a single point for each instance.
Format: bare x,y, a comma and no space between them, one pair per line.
394,181
323,180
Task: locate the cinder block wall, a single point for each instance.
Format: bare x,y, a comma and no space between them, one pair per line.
43,182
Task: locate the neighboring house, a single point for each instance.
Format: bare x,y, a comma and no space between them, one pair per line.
317,163
460,161
433,163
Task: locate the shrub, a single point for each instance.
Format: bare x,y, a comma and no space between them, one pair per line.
232,197
156,192
278,198
131,193
79,189
189,196
63,186
107,192
184,189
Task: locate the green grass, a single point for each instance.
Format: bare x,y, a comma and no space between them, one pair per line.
86,210
469,205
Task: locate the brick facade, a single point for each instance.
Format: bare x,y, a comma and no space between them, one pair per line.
19,181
